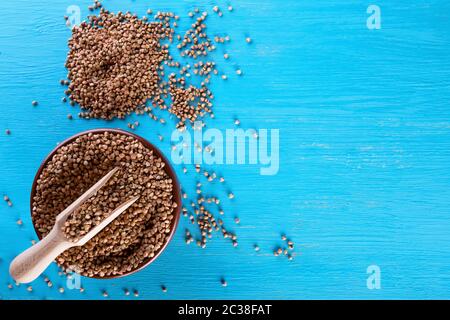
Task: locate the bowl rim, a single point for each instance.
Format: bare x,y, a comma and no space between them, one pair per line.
168,168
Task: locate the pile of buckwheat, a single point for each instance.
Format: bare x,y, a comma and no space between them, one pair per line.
138,233
116,64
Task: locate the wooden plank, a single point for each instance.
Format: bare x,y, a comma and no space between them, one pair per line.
364,149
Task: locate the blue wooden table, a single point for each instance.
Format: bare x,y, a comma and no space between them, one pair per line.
364,122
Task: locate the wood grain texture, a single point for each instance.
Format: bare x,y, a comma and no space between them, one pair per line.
365,146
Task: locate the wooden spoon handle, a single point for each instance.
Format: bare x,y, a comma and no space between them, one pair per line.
32,262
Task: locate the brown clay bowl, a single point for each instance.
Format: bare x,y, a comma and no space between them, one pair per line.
168,169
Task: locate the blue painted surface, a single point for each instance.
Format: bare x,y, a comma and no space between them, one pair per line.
364,139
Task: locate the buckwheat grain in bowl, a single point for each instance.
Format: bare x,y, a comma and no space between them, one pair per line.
139,234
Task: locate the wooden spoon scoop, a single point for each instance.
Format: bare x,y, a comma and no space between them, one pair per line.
27,266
